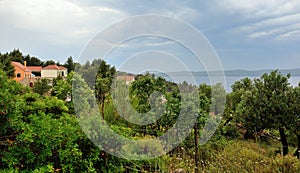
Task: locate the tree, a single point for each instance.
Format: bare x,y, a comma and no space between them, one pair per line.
105,75
63,88
294,116
16,55
41,86
205,89
218,98
140,91
5,65
69,64
233,99
9,91
266,105
10,112
32,61
49,62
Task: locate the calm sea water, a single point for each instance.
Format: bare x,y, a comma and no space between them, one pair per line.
229,80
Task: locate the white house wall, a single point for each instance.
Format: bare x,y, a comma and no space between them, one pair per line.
65,72
49,73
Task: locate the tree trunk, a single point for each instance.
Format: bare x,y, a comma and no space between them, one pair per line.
102,109
196,149
248,135
297,152
284,142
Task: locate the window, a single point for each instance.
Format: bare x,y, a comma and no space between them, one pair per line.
18,75
62,73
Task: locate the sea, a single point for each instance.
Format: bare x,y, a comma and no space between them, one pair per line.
229,80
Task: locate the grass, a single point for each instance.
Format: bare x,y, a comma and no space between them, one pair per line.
240,156
230,157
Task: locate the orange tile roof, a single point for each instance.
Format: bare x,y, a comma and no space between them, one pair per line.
19,65
126,78
54,67
62,68
35,68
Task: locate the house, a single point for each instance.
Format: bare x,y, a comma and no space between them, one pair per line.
21,71
53,71
35,70
128,79
27,75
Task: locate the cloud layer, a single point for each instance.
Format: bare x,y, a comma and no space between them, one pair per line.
59,28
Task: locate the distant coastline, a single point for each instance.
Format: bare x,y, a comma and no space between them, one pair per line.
236,73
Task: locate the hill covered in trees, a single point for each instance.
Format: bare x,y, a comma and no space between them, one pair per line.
40,131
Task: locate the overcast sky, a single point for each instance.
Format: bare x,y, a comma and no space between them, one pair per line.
245,34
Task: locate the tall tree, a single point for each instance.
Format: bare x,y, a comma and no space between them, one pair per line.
105,75
70,64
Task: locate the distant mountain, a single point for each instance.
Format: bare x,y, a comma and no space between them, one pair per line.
235,73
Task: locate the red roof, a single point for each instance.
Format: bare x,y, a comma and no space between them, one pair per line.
19,65
35,68
54,67
126,78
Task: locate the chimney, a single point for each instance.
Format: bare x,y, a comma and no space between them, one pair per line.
25,63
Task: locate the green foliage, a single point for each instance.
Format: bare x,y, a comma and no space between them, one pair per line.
105,75
70,64
63,88
141,89
5,65
54,143
98,67
16,55
41,86
218,98
250,157
9,102
266,102
40,133
234,98
293,120
49,62
32,61
98,76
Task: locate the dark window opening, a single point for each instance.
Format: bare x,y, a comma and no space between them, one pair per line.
18,75
36,73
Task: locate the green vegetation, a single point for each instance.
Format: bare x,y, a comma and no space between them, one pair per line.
39,131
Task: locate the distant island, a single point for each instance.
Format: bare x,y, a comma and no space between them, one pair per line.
236,73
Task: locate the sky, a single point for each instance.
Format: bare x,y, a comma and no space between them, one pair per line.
247,34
